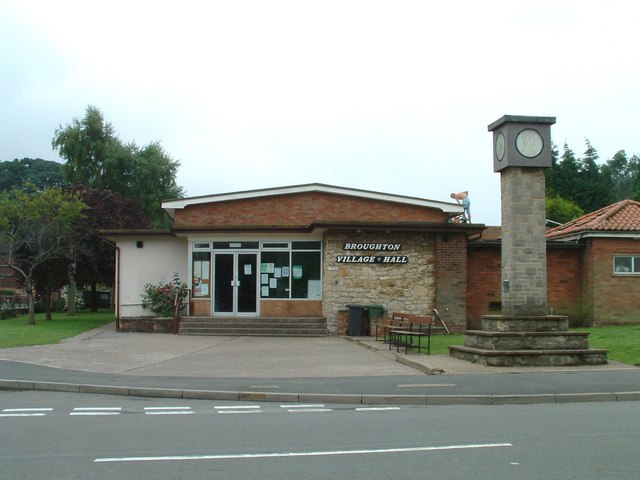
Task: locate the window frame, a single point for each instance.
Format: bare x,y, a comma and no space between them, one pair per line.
634,261
291,248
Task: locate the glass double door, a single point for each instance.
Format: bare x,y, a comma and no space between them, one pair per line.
235,290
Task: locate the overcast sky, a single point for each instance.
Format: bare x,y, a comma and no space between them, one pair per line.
392,96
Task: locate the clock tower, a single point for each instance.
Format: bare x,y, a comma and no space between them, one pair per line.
521,142
524,334
521,152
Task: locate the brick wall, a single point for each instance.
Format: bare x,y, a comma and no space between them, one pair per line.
564,281
147,325
483,282
290,308
301,209
451,279
616,298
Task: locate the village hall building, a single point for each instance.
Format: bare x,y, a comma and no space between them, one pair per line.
311,251
301,251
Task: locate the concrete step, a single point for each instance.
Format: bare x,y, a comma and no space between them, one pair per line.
530,358
254,326
253,333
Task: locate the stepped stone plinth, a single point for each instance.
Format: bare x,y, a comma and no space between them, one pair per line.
507,341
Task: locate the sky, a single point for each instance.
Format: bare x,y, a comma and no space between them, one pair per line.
390,96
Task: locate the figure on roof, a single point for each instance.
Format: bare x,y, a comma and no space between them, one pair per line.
463,199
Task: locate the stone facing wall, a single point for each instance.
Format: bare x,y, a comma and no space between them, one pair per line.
406,287
524,261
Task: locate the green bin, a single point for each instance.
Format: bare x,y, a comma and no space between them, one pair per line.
375,311
375,315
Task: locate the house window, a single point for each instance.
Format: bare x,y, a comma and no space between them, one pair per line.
626,265
291,270
201,281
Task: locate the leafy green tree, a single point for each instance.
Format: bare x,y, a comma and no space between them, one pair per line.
635,167
96,158
37,227
565,175
95,263
34,171
147,174
625,175
86,145
562,211
583,181
594,185
550,173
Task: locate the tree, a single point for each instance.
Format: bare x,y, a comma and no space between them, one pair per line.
96,158
86,145
34,171
565,175
625,175
594,187
37,227
105,210
583,181
562,211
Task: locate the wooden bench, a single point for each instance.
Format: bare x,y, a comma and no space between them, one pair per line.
396,320
419,327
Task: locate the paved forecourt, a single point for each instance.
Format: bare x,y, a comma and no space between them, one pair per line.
342,370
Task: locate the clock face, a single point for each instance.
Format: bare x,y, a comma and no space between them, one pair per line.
500,146
529,143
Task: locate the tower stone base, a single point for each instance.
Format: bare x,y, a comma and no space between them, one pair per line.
507,341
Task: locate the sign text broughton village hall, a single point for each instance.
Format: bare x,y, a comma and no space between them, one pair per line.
375,247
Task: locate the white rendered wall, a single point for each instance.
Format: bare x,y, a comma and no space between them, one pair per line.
157,261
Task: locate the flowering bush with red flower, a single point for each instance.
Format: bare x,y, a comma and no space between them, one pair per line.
160,297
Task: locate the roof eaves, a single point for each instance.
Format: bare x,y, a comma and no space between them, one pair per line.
172,205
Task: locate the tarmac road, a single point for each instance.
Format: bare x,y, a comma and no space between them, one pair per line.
328,369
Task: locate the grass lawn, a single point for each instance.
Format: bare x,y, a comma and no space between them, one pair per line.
623,342
16,332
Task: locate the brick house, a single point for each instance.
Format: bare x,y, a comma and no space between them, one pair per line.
593,269
302,251
311,250
610,262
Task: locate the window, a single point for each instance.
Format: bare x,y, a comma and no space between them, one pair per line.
201,281
235,245
291,270
305,275
626,264
274,273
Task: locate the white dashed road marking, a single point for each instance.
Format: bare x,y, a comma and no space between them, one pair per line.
95,411
167,410
25,412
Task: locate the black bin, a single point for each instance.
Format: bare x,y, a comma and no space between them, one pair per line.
357,318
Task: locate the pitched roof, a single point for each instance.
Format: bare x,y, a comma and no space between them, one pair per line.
617,218
448,207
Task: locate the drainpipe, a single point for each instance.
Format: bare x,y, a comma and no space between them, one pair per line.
117,286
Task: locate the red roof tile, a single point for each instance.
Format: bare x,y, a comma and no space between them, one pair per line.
622,216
